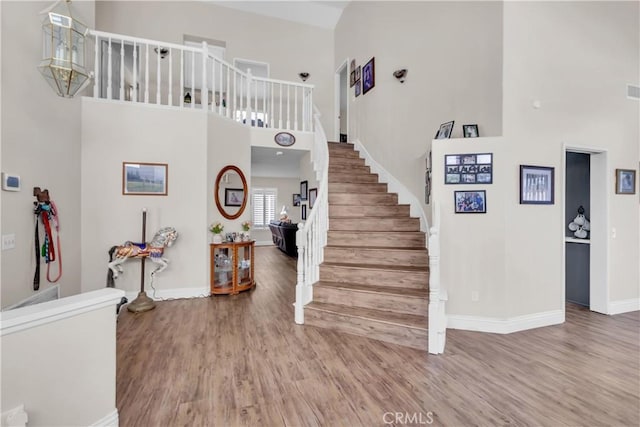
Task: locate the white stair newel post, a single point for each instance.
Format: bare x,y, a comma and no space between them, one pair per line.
96,66
109,73
204,90
301,240
121,93
437,320
249,82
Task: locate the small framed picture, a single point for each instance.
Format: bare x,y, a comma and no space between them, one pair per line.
313,195
536,185
369,76
285,139
470,131
303,214
144,179
445,130
625,181
296,200
358,69
358,88
470,201
304,186
352,78
233,196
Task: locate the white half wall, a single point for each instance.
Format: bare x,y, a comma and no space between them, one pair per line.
114,132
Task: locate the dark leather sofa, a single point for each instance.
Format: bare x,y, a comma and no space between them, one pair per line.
284,237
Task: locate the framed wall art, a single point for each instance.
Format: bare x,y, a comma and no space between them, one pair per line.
476,168
536,185
313,195
296,200
303,214
625,181
470,201
144,179
304,186
358,88
285,139
369,76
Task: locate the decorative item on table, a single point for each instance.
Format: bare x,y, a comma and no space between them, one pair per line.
470,131
580,225
216,228
237,237
445,130
246,226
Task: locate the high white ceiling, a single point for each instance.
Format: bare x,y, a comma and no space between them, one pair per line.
324,14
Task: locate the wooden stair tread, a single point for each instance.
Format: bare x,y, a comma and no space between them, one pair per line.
383,248
407,320
407,292
378,267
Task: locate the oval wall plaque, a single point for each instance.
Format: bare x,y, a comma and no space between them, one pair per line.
285,139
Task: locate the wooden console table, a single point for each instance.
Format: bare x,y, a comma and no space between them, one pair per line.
231,267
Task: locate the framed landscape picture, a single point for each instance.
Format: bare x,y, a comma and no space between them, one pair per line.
144,179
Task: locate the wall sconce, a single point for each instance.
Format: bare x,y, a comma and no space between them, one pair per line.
304,76
400,74
163,51
63,55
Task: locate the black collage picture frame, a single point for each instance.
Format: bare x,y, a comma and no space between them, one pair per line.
468,168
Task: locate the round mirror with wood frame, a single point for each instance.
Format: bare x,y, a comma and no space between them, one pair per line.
231,196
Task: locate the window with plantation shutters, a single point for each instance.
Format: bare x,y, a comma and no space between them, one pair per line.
263,206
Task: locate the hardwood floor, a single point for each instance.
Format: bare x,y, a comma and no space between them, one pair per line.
241,360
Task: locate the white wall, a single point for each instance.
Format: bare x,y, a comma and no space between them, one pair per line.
453,53
286,187
59,360
288,47
41,143
116,132
577,66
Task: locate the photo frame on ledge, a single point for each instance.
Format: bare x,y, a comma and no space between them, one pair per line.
145,179
445,130
625,181
470,131
536,185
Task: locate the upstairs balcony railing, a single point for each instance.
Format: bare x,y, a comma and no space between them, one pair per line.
146,71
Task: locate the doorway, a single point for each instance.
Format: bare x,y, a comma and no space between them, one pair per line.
341,127
586,254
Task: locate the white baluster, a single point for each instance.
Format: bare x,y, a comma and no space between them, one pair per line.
228,90
255,100
264,103
249,83
223,94
109,73
181,78
204,90
170,85
288,107
146,75
213,84
158,77
121,94
295,106
135,72
96,66
271,117
280,115
193,79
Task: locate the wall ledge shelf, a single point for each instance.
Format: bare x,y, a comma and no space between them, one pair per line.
575,240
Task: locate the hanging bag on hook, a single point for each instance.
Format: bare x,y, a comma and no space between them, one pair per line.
47,212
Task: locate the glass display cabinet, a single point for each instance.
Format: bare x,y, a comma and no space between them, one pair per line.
231,267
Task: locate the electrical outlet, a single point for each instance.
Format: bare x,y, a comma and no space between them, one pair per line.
475,296
8,241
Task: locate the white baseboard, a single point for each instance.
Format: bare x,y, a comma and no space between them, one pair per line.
162,294
110,420
624,306
505,326
264,243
